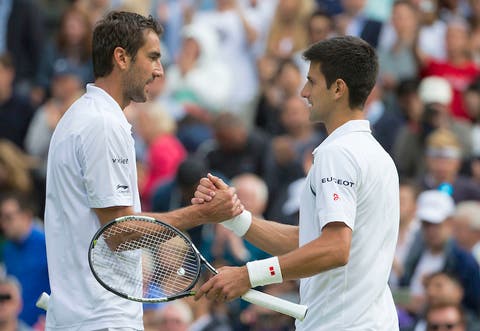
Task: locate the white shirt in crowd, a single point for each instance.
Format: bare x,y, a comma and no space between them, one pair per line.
91,164
354,181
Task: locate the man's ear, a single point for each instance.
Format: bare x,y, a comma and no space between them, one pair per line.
339,88
121,59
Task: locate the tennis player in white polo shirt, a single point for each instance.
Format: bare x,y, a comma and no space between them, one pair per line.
92,176
344,245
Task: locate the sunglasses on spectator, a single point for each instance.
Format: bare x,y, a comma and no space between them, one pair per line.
442,326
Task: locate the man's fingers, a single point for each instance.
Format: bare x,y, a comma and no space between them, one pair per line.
220,184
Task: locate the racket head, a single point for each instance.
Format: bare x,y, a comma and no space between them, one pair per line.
143,259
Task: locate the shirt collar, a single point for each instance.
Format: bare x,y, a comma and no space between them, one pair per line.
348,127
102,96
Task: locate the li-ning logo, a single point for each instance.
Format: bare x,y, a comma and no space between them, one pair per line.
272,271
337,181
122,188
120,160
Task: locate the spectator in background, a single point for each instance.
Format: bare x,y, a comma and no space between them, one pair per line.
443,160
467,227
435,95
22,35
471,99
96,9
284,84
319,27
287,33
408,230
384,122
436,251
72,48
253,192
11,305
15,169
458,68
176,193
175,316
444,289
285,160
238,32
448,317
16,111
164,151
397,61
353,22
66,87
200,76
236,149
24,252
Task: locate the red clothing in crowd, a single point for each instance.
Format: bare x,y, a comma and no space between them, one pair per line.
164,156
459,78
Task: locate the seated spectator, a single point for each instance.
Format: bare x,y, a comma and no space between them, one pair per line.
435,95
164,151
408,230
287,33
65,89
178,192
467,227
458,68
11,305
16,112
443,160
175,316
384,121
72,49
353,22
435,250
24,253
397,62
15,169
449,317
235,149
199,76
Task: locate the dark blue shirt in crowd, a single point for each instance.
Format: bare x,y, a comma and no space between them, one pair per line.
15,116
27,261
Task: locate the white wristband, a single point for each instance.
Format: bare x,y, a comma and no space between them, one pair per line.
264,272
239,224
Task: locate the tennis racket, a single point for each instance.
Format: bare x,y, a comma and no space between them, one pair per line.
142,259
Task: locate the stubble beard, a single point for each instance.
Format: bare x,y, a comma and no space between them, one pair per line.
134,88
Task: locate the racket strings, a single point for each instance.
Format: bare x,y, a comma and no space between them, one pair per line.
148,261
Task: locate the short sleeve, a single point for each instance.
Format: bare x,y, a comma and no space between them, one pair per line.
335,185
107,164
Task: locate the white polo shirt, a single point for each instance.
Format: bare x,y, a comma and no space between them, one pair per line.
354,181
91,164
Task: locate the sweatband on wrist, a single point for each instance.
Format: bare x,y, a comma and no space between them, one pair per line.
239,224
264,272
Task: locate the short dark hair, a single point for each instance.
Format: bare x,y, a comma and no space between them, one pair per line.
6,60
119,29
348,58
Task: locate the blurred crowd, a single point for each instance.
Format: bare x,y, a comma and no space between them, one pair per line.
229,104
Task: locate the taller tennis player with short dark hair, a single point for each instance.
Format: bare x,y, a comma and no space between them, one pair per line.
344,245
92,176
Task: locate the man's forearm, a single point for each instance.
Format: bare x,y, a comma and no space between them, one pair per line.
272,237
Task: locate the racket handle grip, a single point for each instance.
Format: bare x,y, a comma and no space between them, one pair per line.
276,304
42,301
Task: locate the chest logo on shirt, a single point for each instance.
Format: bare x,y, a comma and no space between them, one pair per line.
120,160
336,197
337,181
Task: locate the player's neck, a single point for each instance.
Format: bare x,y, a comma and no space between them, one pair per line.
341,117
111,85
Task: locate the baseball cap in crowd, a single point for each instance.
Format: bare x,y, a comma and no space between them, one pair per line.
63,67
435,89
434,206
